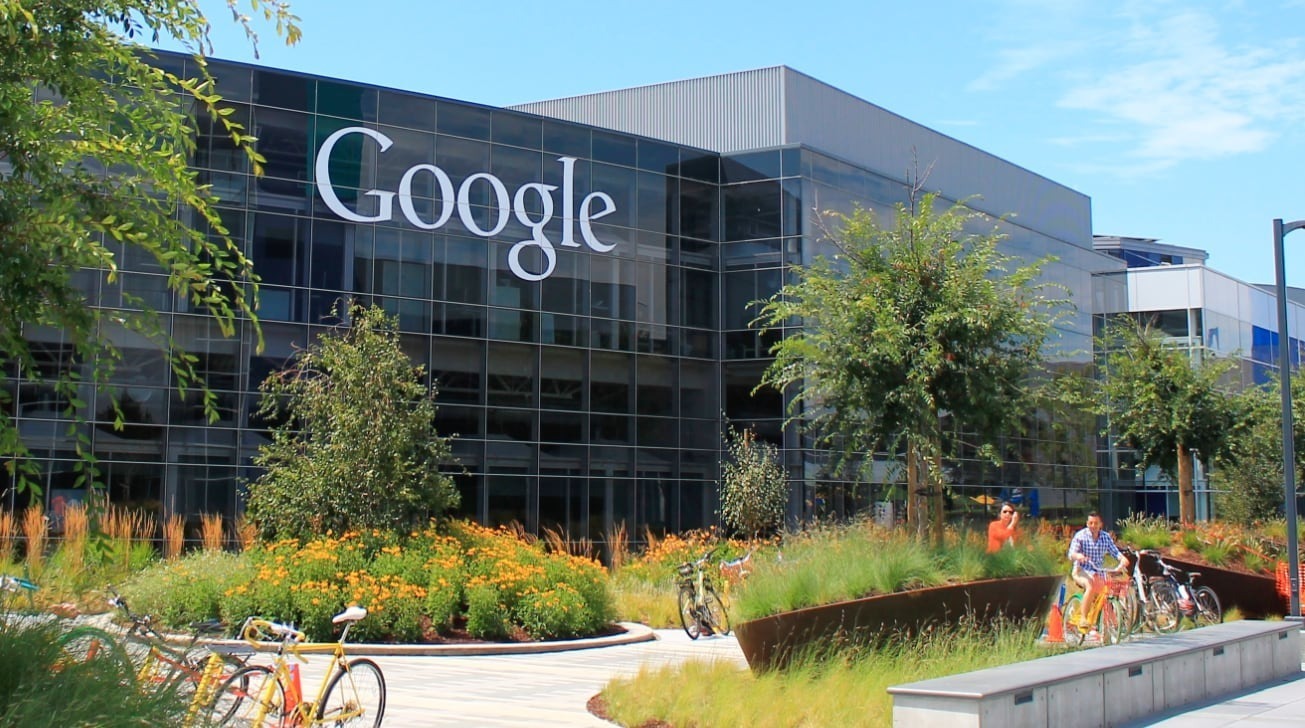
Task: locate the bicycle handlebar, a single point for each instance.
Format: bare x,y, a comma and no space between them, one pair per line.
260,630
14,583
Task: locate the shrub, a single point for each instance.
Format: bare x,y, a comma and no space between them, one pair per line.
556,612
189,589
351,403
409,583
487,617
754,490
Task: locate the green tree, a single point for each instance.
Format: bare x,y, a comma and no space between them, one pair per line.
94,150
1169,404
1248,473
906,330
356,445
754,490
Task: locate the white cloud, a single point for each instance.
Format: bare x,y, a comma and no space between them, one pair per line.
1164,78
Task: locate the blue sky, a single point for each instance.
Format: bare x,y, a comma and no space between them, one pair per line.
1183,121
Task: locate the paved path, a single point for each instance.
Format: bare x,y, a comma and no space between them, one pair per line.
547,689
551,689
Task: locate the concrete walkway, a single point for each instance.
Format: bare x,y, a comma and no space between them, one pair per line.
524,689
552,688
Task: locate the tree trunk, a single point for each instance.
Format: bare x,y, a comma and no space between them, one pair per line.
939,511
1186,491
915,513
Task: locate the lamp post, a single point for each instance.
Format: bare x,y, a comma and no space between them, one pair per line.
1288,441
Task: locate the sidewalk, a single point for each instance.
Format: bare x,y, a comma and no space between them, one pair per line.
547,689
553,688
1276,705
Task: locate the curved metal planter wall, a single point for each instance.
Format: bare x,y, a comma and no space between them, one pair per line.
770,642
1256,597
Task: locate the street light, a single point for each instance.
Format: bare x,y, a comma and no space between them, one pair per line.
1288,440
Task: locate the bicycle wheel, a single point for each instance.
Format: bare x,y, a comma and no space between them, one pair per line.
1114,628
252,696
714,614
1208,609
1169,618
93,645
1134,615
689,613
1074,635
355,697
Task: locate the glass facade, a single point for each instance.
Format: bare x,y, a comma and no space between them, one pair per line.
580,296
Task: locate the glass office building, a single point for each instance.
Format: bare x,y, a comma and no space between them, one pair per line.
576,276
1207,313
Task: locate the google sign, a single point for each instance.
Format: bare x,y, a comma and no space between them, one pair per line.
594,206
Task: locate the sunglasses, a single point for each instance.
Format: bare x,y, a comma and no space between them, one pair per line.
1007,510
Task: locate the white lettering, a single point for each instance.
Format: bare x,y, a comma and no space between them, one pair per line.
537,237
587,230
594,206
447,196
323,172
500,196
568,199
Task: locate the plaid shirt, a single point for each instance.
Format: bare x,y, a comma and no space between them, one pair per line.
1095,551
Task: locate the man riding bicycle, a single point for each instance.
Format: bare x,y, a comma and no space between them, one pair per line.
1087,553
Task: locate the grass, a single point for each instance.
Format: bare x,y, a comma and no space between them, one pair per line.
848,688
39,688
834,564
1144,532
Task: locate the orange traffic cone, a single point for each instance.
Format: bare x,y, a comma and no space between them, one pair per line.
294,692
1055,625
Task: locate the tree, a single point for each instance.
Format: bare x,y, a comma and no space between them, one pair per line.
906,329
94,150
754,490
1248,473
356,445
1170,404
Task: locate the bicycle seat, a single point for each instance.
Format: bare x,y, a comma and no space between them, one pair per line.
352,614
208,626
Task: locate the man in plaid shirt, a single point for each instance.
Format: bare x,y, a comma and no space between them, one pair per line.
1087,552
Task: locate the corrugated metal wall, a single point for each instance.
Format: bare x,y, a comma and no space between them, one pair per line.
721,113
834,121
769,107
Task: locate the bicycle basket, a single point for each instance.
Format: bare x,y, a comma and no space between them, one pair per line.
685,569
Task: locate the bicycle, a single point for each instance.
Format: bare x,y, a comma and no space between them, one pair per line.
352,692
81,643
1150,600
701,609
1106,615
734,571
1197,603
161,664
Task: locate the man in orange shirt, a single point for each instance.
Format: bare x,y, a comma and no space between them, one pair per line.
1002,530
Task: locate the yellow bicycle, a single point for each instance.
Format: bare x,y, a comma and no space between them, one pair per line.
352,692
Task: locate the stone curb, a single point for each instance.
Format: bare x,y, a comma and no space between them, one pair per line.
634,633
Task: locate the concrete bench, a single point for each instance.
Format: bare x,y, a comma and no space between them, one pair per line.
1106,686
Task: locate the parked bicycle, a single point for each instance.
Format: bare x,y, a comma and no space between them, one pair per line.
1106,616
733,572
352,692
1151,600
81,643
196,674
1197,603
701,609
